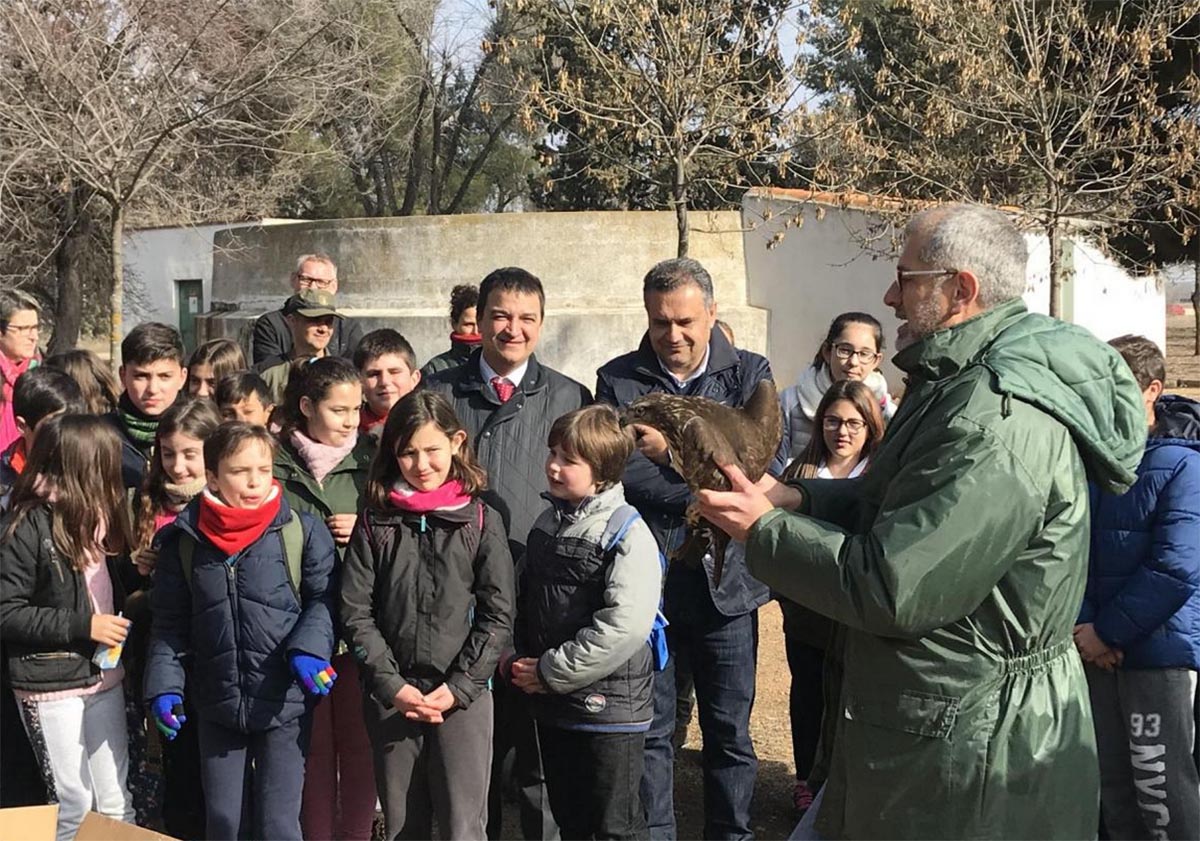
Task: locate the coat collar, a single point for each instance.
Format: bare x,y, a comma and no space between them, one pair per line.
471,378
947,352
721,356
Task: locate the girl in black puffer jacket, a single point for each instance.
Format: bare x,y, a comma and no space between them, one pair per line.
61,594
427,606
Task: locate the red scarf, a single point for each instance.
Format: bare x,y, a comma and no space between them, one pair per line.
446,498
233,529
18,459
368,421
467,338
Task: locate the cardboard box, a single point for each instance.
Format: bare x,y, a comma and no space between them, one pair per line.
28,823
99,828
37,823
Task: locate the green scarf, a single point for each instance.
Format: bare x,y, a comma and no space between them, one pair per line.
139,427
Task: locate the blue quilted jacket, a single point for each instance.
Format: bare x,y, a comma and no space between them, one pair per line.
238,619
1143,591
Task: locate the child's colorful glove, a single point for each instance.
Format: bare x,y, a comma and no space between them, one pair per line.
168,715
314,674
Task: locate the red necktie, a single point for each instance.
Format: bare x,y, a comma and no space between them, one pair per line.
504,389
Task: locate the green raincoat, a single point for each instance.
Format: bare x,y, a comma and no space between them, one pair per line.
957,565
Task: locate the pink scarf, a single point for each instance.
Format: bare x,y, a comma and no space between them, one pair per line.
448,497
320,458
9,371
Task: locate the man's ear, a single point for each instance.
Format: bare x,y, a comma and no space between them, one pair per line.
1152,392
965,296
416,377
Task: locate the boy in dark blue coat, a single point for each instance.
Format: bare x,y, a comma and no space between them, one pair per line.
248,593
1139,629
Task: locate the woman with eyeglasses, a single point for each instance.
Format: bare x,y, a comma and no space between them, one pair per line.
19,326
850,421
852,350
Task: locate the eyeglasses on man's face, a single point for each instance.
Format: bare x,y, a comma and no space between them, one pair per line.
307,281
845,353
853,425
905,275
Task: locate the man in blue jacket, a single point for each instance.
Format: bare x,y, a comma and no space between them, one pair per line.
1139,629
714,628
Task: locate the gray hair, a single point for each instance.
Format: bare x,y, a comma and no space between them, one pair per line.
669,275
978,239
316,257
13,301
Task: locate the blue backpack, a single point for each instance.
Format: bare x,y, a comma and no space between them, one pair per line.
618,524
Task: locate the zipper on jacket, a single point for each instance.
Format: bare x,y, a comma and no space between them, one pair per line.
231,579
423,524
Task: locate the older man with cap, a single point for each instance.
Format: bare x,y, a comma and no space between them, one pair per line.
312,320
957,563
272,340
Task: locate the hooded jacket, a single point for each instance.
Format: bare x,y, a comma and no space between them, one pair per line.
239,618
957,564
657,491
585,612
428,599
1143,592
510,438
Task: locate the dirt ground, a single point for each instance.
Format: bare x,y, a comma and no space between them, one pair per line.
1183,367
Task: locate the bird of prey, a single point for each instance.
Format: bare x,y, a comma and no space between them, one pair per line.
702,435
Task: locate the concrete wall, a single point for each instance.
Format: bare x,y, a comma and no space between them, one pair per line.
821,268
155,258
398,273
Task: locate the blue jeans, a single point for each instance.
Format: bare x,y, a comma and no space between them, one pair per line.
722,651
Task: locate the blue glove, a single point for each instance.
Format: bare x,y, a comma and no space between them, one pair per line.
168,714
314,674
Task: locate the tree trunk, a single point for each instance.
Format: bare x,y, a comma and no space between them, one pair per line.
679,199
117,300
416,157
1054,234
74,229
1196,299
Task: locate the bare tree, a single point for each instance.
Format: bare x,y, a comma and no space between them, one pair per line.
688,95
158,107
1052,106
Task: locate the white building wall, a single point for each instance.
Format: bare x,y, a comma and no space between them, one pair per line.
820,269
155,258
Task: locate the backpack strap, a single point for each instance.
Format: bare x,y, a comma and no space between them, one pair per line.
619,523
187,555
291,535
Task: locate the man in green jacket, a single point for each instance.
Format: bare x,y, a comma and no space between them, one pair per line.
957,563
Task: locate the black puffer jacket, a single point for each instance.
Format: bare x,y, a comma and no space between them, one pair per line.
510,438
428,600
240,618
657,491
45,609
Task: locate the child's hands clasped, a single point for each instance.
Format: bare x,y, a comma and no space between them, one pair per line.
1094,650
525,676
340,526
314,674
430,708
108,629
